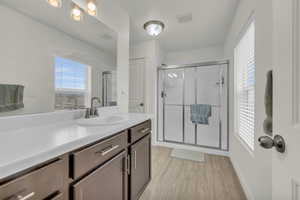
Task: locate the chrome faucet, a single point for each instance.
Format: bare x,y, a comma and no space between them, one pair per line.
92,112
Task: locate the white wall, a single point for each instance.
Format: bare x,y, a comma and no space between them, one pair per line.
154,56
111,14
253,169
27,53
151,51
194,56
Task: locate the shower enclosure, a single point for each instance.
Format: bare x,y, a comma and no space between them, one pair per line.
180,87
109,85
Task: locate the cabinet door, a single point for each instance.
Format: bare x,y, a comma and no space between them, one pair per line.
140,167
106,183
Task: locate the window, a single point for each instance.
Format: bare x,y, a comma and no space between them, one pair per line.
72,86
245,86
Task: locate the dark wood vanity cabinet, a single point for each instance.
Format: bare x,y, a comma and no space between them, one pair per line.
140,167
123,175
45,182
91,157
108,182
115,168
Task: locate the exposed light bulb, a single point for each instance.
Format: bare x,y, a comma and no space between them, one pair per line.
55,3
92,8
76,13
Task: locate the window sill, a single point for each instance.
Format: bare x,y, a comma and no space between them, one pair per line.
78,92
244,145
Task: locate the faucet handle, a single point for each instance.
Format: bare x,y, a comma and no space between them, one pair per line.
87,113
96,112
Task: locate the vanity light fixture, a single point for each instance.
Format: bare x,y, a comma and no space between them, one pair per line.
76,13
91,7
55,3
154,27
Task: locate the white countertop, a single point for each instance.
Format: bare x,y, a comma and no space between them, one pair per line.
26,147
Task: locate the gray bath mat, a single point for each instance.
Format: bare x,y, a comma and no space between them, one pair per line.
188,155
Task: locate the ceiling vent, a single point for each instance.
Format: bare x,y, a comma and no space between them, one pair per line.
185,18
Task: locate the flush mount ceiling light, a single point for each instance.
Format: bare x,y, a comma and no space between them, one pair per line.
92,7
154,27
55,3
76,13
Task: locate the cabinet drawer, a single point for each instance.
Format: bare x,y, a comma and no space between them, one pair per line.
91,157
140,131
38,184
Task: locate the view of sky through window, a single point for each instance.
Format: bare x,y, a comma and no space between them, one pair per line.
69,74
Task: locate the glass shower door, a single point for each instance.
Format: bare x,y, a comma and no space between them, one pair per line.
189,99
182,87
173,105
208,92
109,85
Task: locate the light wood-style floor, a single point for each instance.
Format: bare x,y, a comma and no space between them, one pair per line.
176,179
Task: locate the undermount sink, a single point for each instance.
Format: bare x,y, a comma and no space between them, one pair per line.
101,121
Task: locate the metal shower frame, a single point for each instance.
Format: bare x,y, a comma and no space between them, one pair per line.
194,65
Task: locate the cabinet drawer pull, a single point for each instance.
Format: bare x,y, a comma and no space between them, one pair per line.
107,150
145,130
134,159
28,196
128,165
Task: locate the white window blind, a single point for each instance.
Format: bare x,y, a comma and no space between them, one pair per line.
245,86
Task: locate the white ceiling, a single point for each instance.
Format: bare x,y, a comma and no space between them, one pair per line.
209,26
90,29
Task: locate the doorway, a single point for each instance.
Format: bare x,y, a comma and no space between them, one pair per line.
137,85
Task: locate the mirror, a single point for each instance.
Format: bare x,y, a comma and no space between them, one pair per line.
49,61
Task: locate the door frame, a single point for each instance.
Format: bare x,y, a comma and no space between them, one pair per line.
145,82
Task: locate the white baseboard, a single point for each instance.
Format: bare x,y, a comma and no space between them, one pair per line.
243,181
192,148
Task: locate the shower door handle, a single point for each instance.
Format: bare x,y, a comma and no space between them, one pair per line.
222,81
